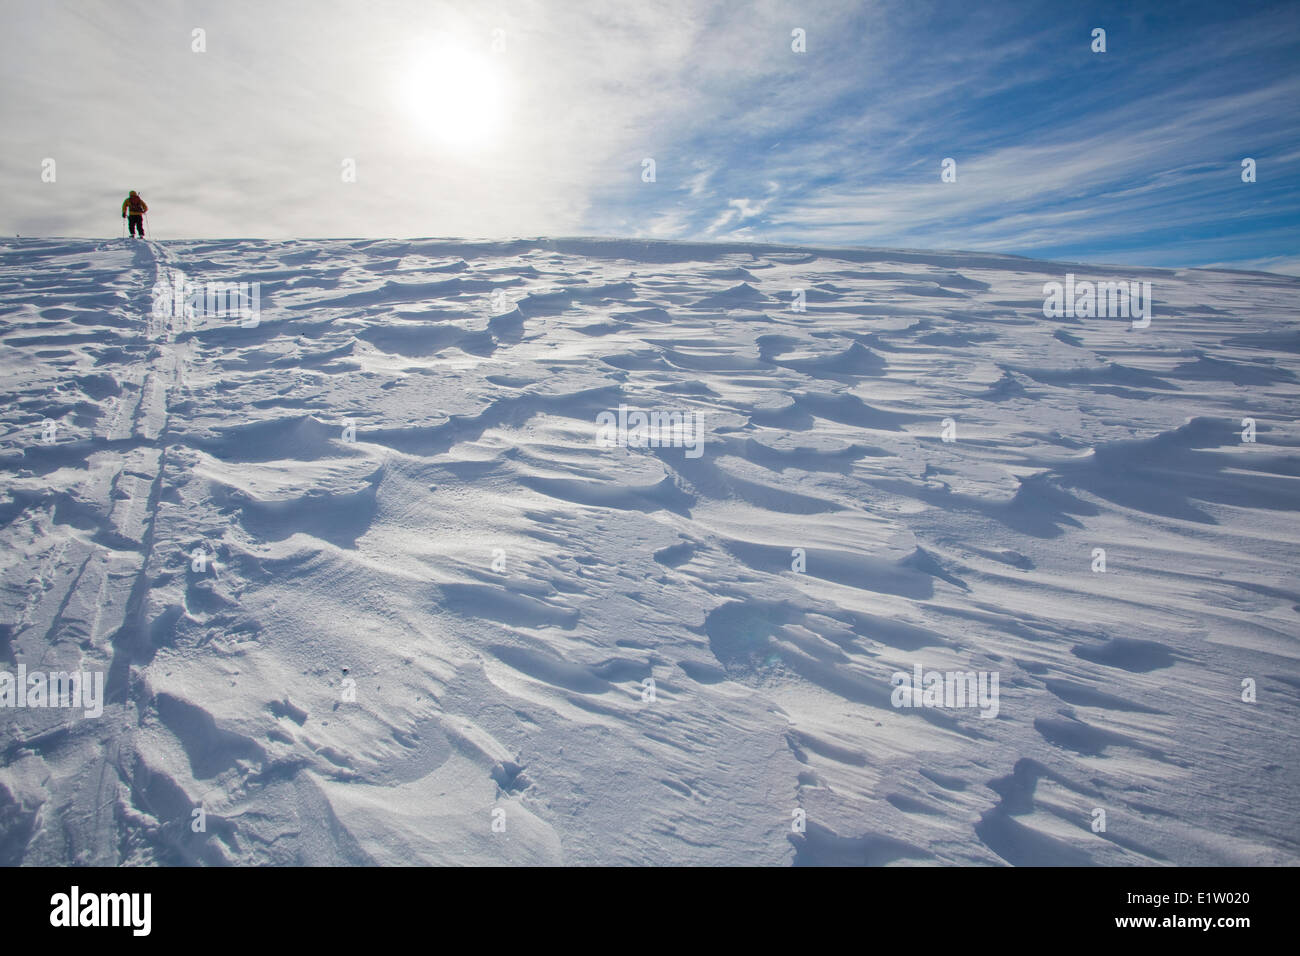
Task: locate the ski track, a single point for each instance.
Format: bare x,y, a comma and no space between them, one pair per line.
395,476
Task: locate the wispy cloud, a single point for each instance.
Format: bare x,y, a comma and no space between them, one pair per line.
1131,155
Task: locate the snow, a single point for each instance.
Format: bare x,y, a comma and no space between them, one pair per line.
366,588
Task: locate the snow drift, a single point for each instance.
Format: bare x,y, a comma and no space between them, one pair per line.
366,588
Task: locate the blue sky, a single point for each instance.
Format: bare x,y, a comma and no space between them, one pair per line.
533,118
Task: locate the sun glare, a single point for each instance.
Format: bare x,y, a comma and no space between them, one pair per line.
455,98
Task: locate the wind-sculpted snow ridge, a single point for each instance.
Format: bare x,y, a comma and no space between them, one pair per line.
586,551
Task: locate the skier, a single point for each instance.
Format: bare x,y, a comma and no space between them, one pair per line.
138,209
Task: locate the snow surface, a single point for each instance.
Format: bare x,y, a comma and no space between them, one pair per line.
376,564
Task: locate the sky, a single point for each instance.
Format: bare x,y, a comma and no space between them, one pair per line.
482,119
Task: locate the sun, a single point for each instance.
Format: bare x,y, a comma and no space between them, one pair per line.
455,98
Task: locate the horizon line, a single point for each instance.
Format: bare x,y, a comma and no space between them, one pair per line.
740,244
